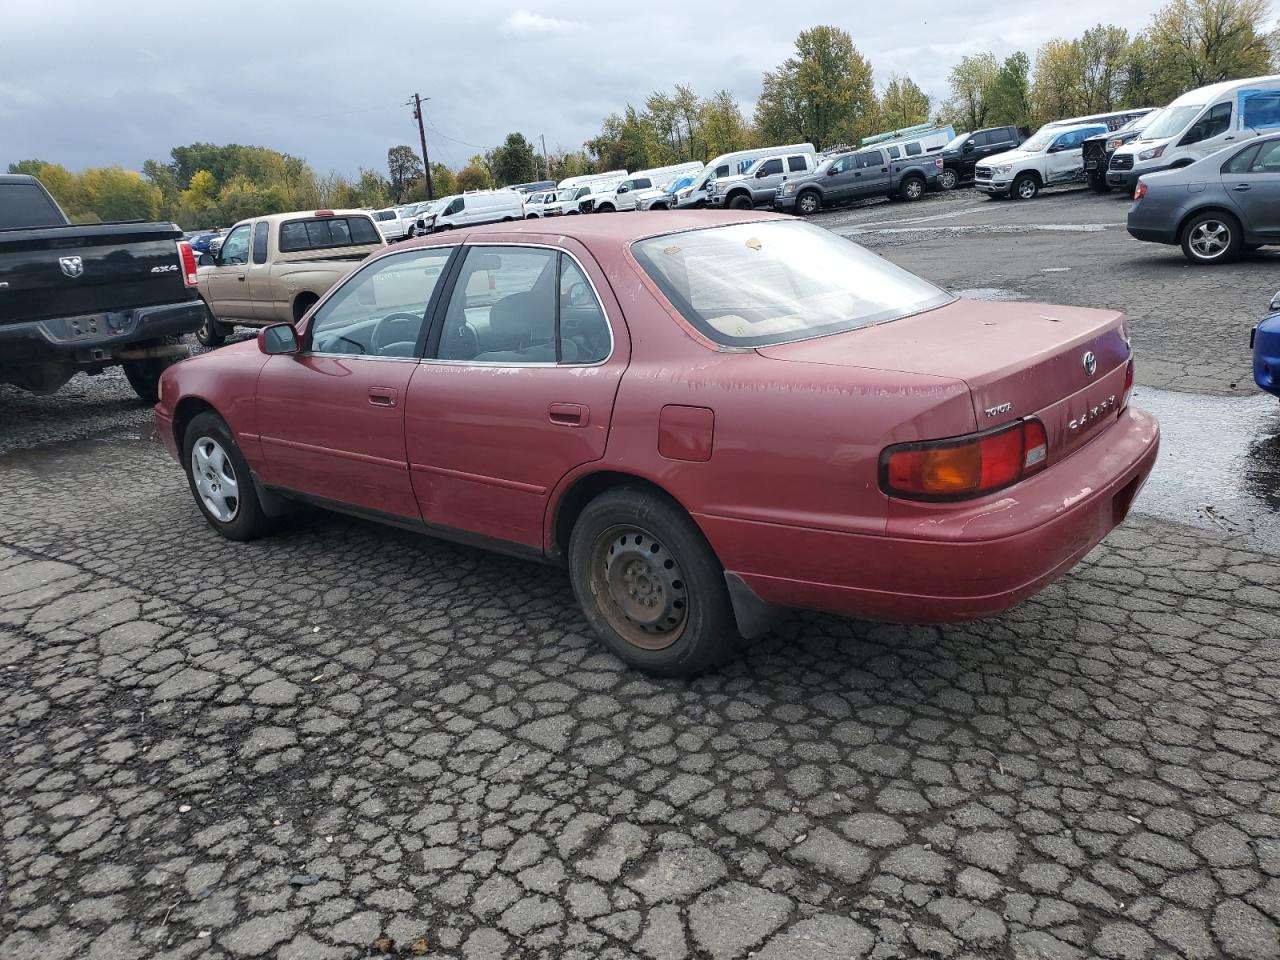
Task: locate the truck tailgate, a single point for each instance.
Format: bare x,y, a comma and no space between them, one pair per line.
83,269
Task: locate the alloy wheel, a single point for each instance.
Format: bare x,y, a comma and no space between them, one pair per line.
947,180
215,479
640,587
1026,189
1210,239
913,189
808,203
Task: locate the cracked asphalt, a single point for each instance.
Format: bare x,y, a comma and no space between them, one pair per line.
349,741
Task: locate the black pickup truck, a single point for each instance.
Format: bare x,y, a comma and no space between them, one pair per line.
83,297
1098,150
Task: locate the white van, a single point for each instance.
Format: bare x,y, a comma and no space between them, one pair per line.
730,165
622,196
586,179
1197,124
479,206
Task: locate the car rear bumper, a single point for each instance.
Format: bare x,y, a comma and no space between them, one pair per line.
1053,520
1152,234
1266,355
94,338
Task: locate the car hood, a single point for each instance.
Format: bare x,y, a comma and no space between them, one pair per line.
1009,156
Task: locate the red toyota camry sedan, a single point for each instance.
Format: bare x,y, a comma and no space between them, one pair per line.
708,417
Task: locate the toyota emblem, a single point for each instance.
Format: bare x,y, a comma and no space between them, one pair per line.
72,266
1090,363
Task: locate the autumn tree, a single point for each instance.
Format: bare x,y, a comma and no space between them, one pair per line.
903,104
474,176
514,161
1056,91
822,95
1103,56
973,80
403,167
723,127
1009,96
1198,42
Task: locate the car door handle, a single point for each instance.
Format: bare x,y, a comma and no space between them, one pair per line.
1242,187
568,414
240,277
383,396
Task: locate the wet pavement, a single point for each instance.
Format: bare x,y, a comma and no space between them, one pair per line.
347,741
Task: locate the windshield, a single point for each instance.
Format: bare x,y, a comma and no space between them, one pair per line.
568,194
753,284
1171,122
957,142
1041,138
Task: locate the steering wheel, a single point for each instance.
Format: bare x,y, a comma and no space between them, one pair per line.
395,328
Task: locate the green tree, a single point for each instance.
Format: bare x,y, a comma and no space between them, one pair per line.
1009,96
1197,42
29,168
372,190
474,176
1103,53
403,167
1056,92
723,127
823,94
514,161
973,82
902,104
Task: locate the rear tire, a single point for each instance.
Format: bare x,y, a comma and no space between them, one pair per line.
224,490
144,375
211,332
650,585
911,189
1025,187
740,202
1211,238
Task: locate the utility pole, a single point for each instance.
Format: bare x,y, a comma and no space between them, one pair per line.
546,161
422,132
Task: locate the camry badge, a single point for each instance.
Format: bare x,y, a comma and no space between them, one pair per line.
1090,363
72,266
998,409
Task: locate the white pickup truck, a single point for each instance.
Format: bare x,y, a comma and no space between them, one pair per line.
1053,154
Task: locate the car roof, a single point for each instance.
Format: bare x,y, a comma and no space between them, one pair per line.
1202,95
601,231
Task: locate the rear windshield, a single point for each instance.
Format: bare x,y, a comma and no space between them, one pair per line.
26,205
321,232
754,284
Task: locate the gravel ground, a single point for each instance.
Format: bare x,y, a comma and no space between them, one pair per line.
347,741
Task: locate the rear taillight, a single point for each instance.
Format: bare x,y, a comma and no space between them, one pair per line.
964,467
1141,192
187,257
937,162
324,213
1128,383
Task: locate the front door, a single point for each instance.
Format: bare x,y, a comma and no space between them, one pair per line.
517,391
1252,180
841,179
331,417
1065,159
228,286
259,275
872,173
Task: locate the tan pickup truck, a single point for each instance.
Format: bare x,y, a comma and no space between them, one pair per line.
272,269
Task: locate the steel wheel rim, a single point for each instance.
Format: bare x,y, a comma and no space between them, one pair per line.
808,203
1210,239
640,587
215,479
1026,190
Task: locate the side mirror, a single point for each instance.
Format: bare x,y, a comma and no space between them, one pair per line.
207,260
1275,304
624,189
832,171
277,339
760,173
969,146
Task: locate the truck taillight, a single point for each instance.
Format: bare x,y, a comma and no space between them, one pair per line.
324,213
961,468
937,162
187,256
1141,192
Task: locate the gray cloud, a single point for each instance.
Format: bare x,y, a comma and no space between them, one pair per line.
93,84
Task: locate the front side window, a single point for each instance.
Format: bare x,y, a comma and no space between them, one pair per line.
379,311
454,207
770,167
235,249
1213,123
523,305
754,284
796,164
260,242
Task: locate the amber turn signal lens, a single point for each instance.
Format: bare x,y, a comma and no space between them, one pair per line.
964,467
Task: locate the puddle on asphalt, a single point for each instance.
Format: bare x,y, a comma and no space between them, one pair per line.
1219,464
989,293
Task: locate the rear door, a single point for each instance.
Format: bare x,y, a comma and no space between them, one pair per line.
1252,180
332,416
517,390
228,278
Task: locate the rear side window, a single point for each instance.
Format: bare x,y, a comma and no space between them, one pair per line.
26,205
913,150
644,183
795,164
260,243
321,233
1259,109
871,158
894,153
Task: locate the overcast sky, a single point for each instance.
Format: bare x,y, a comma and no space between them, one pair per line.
90,84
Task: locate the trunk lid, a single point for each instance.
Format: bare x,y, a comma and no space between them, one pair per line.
1017,359
121,266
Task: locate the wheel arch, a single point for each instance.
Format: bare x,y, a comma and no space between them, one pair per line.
581,490
303,302
1033,173
738,192
1207,208
187,409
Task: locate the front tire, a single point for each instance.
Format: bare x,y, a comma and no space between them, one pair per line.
911,189
1212,237
650,585
740,202
1098,182
1025,187
211,332
220,480
808,203
144,375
